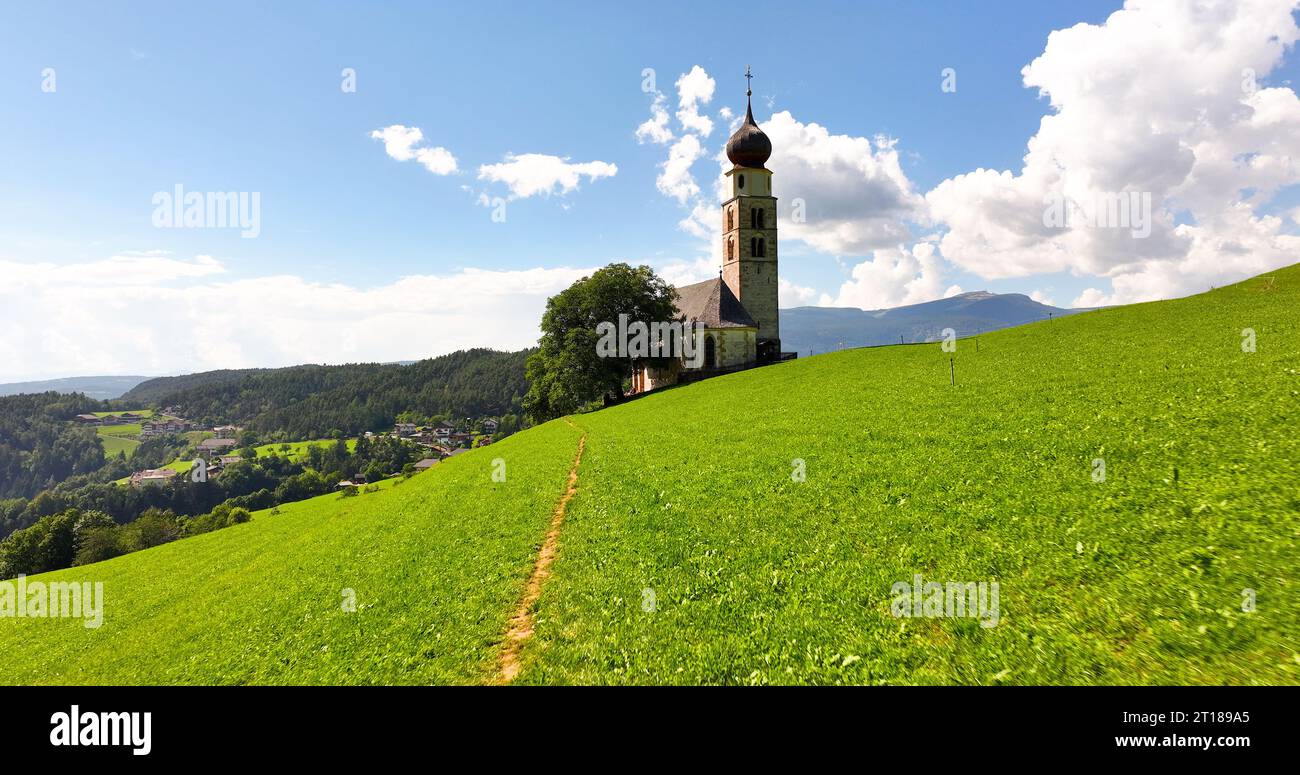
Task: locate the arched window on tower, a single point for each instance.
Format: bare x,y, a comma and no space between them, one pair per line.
762,248
730,217
760,220
731,247
753,217
740,182
753,246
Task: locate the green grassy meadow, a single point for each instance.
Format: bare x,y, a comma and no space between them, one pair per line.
1139,579
119,438
690,554
436,563
297,450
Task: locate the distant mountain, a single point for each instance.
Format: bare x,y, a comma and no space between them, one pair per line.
93,387
809,330
158,388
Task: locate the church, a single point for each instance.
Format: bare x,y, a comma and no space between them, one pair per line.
738,309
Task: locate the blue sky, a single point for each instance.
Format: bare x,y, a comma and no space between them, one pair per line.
246,97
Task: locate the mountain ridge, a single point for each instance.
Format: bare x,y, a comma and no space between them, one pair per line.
809,330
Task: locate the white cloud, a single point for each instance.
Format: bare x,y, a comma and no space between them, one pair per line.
695,89
439,161
123,269
855,195
1091,297
1042,297
115,317
894,277
655,129
684,272
676,180
791,295
1158,99
400,143
531,174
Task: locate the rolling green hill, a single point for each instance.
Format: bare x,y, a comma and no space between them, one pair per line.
435,563
690,554
315,401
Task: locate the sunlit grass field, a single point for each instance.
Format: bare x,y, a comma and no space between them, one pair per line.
297,450
690,554
436,563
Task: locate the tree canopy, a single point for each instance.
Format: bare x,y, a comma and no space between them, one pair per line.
567,371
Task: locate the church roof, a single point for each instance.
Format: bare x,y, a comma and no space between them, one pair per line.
713,304
749,147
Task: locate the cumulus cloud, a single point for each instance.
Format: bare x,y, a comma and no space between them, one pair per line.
695,89
1166,99
686,271
895,277
791,295
400,143
655,129
1042,297
854,195
532,174
123,269
116,316
675,179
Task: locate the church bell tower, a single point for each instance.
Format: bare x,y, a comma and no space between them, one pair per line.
749,230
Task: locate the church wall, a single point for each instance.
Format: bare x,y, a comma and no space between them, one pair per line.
657,377
736,347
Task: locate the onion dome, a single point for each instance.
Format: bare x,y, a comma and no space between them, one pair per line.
749,147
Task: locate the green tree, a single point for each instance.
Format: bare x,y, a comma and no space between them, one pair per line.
152,528
567,371
46,545
98,544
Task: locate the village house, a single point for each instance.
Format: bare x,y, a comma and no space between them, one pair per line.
490,425
151,476
86,419
226,431
404,429
216,445
163,427
426,464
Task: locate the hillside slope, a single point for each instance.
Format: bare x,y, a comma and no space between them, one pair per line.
314,401
689,554
687,507
436,564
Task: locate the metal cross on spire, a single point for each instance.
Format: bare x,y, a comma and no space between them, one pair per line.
748,82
